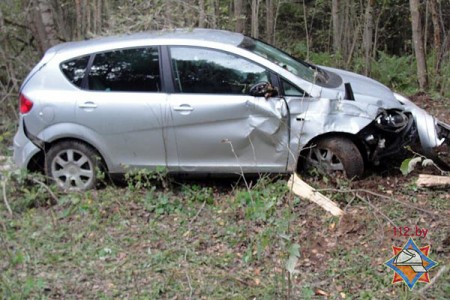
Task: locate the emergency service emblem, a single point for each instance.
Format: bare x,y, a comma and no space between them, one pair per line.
411,263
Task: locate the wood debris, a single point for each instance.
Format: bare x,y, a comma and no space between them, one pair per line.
426,180
305,191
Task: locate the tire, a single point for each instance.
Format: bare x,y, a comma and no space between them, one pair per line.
72,165
335,155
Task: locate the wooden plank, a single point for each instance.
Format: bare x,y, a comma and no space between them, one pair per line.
305,191
426,180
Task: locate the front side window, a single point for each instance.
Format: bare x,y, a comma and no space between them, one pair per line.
126,70
291,90
75,69
201,70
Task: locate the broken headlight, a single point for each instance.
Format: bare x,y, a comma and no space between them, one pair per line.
392,120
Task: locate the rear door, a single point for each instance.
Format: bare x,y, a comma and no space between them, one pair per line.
218,126
123,104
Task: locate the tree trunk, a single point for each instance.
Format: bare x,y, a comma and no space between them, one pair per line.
305,19
337,36
2,21
379,14
368,36
78,18
213,12
270,20
275,21
97,15
239,15
42,24
417,35
348,33
88,18
255,18
201,14
437,33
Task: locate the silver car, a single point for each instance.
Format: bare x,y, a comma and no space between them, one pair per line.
205,101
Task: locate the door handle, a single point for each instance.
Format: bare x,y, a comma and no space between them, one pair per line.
183,107
88,104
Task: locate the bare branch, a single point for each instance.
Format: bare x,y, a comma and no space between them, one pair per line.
5,199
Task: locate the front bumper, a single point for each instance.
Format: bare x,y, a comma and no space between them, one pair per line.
432,132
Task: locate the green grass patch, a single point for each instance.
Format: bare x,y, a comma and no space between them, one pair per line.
204,240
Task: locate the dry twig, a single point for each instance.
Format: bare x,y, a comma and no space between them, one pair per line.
377,209
196,215
381,196
47,188
5,199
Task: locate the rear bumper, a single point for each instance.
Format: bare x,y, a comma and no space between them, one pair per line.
24,149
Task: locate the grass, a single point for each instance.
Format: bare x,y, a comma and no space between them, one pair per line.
206,240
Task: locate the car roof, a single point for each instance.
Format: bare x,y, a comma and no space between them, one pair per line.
193,36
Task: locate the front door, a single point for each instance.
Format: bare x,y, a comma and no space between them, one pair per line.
218,126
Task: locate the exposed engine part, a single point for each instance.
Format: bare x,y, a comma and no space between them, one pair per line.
380,146
392,120
443,131
442,152
389,132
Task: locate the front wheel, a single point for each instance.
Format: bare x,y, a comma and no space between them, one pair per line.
335,155
72,165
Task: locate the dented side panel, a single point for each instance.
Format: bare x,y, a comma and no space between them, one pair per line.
311,118
219,133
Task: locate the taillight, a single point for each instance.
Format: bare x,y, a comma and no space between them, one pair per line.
25,104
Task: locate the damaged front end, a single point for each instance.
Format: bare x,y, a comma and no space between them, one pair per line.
433,135
391,130
394,129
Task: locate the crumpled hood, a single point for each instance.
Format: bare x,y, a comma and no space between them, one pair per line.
366,89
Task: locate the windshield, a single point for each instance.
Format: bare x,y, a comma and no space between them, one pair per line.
298,68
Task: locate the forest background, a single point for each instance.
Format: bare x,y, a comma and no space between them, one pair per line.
205,240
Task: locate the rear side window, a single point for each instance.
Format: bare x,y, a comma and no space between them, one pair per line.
75,69
126,70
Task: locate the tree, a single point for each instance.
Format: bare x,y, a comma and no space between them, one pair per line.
270,21
418,42
239,12
368,36
201,14
437,33
42,24
214,10
337,30
255,18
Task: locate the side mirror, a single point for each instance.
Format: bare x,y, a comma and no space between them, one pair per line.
263,89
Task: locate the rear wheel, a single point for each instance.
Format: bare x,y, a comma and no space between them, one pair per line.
72,165
335,155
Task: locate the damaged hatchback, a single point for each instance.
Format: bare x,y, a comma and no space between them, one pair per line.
205,101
